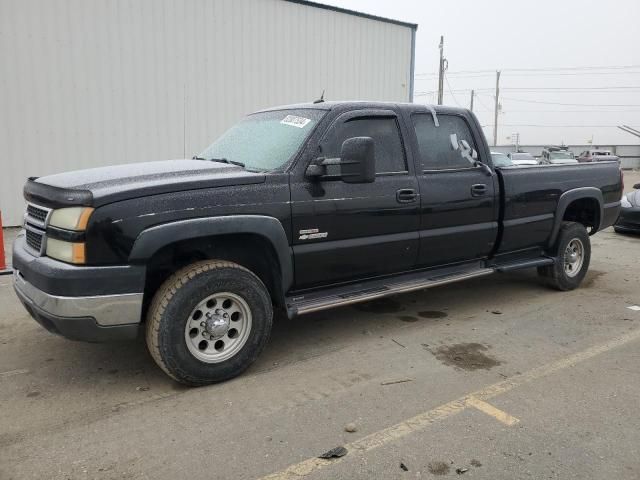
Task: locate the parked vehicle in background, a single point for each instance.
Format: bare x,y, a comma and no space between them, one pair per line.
557,156
597,156
522,158
501,159
629,219
365,199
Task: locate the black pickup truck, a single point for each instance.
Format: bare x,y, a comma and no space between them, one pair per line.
299,208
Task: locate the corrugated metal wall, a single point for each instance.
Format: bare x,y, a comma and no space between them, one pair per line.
98,82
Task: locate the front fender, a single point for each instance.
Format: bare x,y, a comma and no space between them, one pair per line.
153,239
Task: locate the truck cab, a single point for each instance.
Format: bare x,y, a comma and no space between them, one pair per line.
557,156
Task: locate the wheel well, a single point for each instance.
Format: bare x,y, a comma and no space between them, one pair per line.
585,211
252,251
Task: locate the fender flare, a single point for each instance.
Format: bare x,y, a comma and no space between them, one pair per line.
565,200
151,240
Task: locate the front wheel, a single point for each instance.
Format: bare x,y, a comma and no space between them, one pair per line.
208,322
573,254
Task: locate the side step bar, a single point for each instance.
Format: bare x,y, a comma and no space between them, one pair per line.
347,295
536,262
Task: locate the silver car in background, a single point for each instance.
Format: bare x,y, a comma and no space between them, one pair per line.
522,158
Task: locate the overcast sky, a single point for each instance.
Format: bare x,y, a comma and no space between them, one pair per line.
543,34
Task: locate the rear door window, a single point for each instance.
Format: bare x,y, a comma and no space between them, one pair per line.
449,146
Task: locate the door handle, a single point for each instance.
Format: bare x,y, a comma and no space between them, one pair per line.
406,195
478,190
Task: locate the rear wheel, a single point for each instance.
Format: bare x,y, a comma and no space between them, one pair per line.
208,322
573,254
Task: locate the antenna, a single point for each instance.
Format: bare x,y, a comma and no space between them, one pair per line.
321,99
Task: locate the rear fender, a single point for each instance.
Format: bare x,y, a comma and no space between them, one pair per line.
566,199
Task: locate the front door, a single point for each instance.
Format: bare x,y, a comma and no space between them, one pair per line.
345,231
458,209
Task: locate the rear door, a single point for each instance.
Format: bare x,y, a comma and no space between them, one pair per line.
345,231
459,201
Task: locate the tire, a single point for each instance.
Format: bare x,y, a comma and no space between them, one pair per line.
573,254
186,344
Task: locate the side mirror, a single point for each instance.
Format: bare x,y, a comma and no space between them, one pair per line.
637,186
358,160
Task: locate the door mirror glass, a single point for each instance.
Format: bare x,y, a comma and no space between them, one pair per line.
358,160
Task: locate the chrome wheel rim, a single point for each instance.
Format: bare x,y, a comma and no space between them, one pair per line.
573,257
218,327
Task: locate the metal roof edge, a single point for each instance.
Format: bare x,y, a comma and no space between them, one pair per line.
307,3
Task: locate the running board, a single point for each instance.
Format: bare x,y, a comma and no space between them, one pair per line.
536,262
372,289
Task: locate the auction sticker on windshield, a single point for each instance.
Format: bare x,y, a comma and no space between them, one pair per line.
295,121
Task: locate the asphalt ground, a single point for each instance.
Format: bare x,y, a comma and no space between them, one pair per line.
498,377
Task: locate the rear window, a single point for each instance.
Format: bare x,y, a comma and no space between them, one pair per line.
443,147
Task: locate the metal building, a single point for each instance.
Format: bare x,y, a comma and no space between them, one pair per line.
100,82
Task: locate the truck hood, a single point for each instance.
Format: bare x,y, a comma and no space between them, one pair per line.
99,186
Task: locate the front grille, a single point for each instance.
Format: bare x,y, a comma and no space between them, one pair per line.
35,224
37,213
34,240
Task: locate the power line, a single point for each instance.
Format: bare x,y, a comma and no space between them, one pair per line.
482,103
532,74
626,87
567,104
451,91
569,111
549,126
534,89
541,69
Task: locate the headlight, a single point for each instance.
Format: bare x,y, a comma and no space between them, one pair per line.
625,202
71,218
65,251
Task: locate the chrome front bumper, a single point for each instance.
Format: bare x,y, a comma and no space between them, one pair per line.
106,310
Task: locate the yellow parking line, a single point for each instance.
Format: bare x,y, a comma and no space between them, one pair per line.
423,420
489,409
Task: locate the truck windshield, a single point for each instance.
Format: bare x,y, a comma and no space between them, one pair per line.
264,141
560,155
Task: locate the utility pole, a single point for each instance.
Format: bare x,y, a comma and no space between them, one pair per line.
471,107
441,70
496,107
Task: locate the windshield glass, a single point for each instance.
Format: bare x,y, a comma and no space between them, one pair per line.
265,141
560,155
501,160
522,156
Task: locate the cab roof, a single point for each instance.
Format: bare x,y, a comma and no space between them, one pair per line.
360,104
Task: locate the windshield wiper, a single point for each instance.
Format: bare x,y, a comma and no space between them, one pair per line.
226,160
219,160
